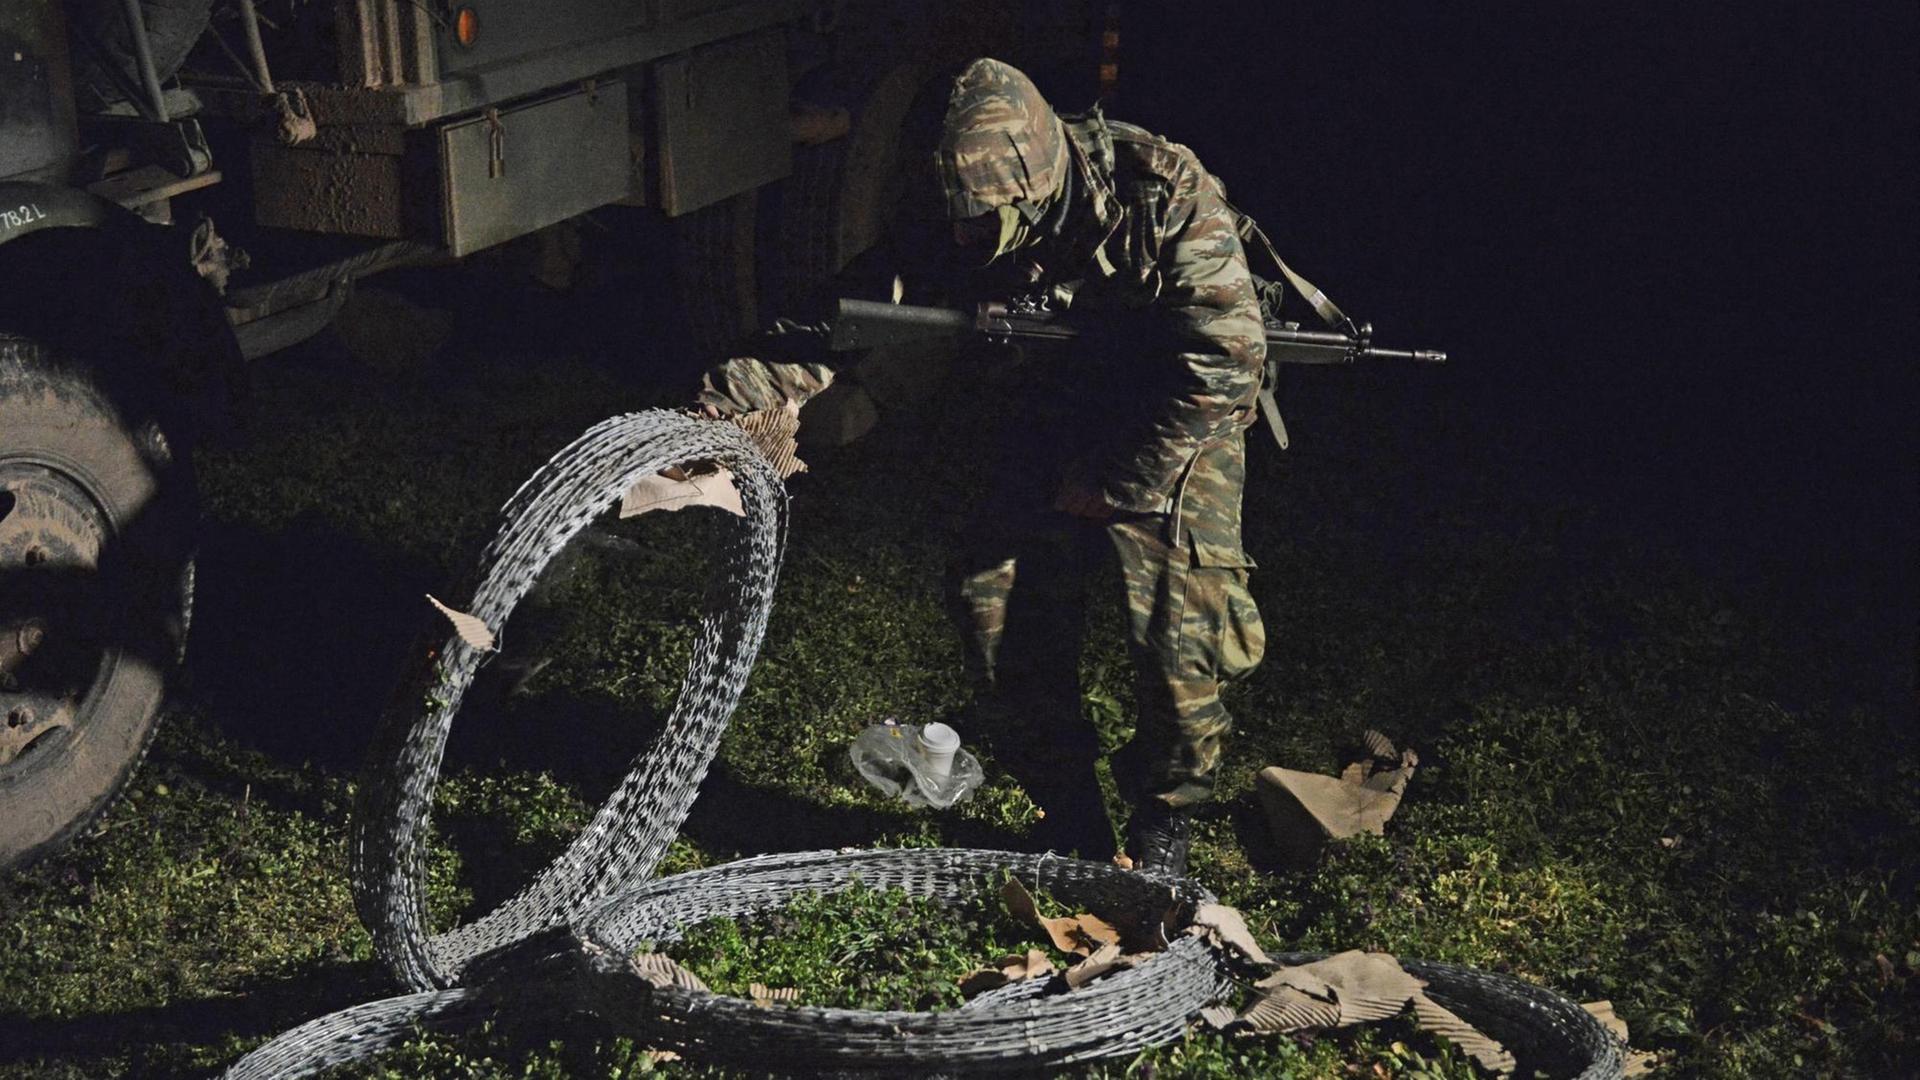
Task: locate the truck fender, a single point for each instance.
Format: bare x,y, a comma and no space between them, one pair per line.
27,207
118,292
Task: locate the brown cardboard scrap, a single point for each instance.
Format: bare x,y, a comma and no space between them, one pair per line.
1377,745
1289,1008
1218,1017
1102,960
1431,1017
470,628
1380,764
1603,1012
1357,987
1031,966
1019,901
677,489
1080,934
661,970
775,433
1307,809
765,996
1007,969
1337,807
1367,986
1227,929
1638,1062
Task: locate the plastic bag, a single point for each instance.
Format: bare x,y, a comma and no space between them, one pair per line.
920,766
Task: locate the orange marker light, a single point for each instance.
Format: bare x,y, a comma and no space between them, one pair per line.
466,26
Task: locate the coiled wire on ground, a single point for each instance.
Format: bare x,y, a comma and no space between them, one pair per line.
630,832
564,941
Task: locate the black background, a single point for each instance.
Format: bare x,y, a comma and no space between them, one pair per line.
1669,246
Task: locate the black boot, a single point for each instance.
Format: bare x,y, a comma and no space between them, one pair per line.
1076,821
1158,837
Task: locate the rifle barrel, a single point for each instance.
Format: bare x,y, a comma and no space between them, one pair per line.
1295,346
1418,356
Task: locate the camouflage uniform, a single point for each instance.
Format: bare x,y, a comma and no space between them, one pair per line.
1159,422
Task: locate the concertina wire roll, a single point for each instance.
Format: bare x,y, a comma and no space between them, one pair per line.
629,833
564,940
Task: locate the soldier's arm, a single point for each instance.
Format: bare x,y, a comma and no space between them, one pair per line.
747,384
1207,295
794,368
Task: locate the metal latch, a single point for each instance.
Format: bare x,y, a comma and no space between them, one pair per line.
496,146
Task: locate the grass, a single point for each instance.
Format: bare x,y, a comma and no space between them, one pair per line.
1638,782
857,947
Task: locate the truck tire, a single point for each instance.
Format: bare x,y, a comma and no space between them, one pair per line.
172,28
835,203
833,208
715,272
96,591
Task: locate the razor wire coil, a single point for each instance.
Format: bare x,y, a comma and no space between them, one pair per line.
629,833
564,940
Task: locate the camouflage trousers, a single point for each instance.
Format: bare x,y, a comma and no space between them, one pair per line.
1192,627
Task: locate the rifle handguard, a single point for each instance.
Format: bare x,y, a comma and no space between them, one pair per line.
870,324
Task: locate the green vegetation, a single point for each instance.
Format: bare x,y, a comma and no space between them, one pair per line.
1637,783
857,947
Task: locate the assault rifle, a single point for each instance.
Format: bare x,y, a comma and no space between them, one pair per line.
868,324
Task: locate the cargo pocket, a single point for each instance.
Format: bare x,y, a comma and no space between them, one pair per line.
1207,504
1221,632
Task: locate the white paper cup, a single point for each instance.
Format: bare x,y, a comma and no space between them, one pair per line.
936,744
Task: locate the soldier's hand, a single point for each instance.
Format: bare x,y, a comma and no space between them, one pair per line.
1083,501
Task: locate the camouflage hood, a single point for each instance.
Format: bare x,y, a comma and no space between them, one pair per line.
1001,144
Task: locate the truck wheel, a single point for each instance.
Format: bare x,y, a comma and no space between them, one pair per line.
715,272
834,207
96,589
835,203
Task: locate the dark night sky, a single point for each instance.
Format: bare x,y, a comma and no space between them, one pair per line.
1670,245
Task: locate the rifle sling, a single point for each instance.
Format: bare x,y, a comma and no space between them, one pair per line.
1270,410
1322,305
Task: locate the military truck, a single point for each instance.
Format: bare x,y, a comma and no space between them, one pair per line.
148,146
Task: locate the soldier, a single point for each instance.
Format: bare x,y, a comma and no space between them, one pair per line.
1134,445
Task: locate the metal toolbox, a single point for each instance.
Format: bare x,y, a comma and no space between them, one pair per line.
722,123
510,171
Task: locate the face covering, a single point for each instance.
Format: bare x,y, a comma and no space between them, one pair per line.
1025,224
1015,232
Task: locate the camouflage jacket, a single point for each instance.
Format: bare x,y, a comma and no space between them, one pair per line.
1155,233
1162,236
